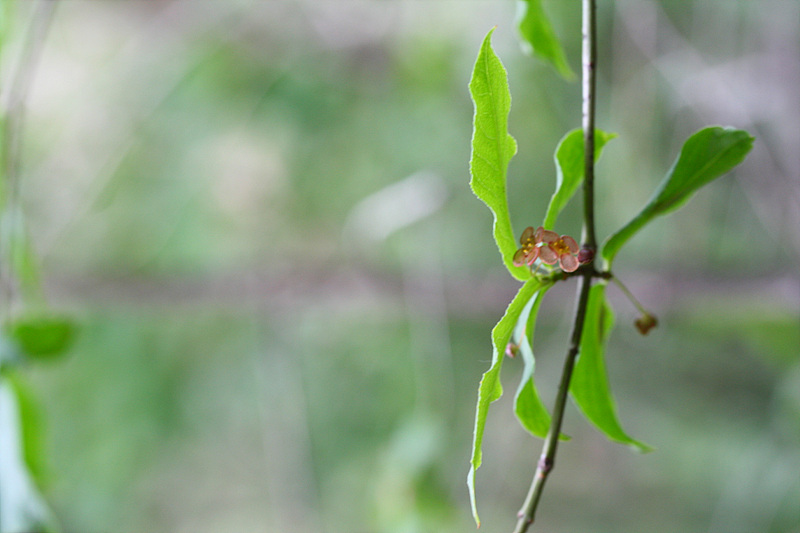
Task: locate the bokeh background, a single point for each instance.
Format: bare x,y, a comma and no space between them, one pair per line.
259,212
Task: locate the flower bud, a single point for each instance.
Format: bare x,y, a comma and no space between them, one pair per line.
585,254
512,349
645,323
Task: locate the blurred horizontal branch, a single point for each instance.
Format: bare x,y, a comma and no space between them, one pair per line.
274,291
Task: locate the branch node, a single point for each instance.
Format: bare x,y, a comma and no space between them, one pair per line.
545,464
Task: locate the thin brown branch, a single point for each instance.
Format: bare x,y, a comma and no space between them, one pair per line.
547,459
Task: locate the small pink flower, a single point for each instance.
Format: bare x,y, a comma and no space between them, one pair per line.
561,250
549,247
529,252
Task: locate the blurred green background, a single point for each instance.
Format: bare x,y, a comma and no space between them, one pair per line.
260,214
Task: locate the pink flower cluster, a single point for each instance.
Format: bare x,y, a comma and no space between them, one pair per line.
549,247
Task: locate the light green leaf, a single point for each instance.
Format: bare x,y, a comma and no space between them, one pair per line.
528,407
705,156
23,506
539,38
570,169
493,148
589,386
490,388
30,426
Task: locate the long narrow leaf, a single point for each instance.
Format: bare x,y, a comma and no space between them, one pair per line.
490,388
570,169
528,407
589,386
705,156
493,148
539,38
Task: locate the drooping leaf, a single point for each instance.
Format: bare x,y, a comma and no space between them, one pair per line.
705,156
539,38
490,388
528,407
589,386
493,148
43,336
570,169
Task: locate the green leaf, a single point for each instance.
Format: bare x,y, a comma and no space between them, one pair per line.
490,388
528,407
30,426
539,38
589,386
570,169
493,148
705,156
43,336
23,506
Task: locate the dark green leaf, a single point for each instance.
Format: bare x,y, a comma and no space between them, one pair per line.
43,336
705,156
493,148
490,388
570,169
589,386
539,38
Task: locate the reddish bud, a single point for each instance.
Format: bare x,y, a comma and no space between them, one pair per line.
645,323
585,255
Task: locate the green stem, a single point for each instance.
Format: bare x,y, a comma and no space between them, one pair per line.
630,295
589,59
12,120
547,459
19,87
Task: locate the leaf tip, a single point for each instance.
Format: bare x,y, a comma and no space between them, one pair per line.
567,74
472,500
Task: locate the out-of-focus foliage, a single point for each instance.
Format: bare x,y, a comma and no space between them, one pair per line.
253,357
538,38
42,335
